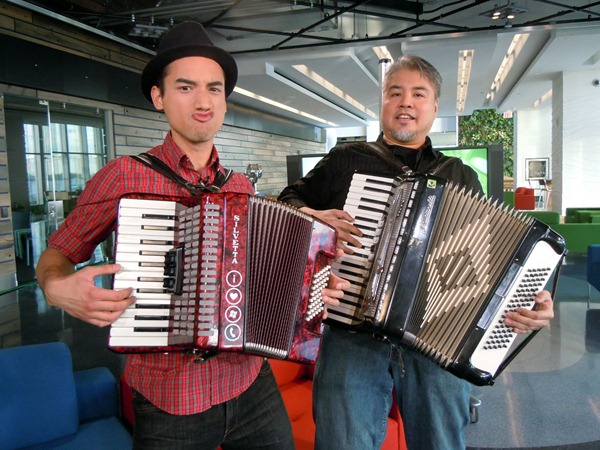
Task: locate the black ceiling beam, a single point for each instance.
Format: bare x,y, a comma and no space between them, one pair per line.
326,18
413,35
434,20
568,10
271,32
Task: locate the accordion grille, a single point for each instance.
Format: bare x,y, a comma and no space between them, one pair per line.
464,263
275,275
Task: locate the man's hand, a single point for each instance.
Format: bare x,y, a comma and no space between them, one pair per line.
524,320
76,292
335,288
342,222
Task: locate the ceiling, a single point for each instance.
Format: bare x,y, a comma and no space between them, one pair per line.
335,40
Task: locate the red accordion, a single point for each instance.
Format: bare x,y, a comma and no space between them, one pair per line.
221,272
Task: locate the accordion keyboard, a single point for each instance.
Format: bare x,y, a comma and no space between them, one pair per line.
367,200
145,234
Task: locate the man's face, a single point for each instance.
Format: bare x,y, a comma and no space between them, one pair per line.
409,108
193,99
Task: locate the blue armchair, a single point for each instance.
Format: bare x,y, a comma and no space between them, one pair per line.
592,315
44,404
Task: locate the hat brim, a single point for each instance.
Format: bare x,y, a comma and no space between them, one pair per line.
155,66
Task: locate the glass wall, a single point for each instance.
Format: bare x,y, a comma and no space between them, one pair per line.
53,148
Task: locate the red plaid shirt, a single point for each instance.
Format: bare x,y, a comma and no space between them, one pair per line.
174,382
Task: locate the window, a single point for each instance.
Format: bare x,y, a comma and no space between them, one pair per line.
64,156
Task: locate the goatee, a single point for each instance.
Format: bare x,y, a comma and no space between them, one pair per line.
403,136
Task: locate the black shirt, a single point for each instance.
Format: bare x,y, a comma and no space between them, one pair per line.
327,185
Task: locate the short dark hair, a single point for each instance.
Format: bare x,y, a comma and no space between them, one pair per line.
413,62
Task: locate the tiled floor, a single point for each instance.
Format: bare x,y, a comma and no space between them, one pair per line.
549,397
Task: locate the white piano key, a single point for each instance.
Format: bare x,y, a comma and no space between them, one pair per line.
355,258
137,275
134,266
139,239
341,318
132,204
364,251
153,297
373,178
360,214
135,221
124,284
134,323
359,196
361,223
352,274
135,312
132,257
147,234
129,332
363,203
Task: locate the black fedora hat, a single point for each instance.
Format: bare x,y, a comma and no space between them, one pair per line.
181,41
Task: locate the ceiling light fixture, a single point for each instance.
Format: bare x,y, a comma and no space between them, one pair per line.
382,53
465,62
268,101
543,99
508,61
508,12
333,89
150,31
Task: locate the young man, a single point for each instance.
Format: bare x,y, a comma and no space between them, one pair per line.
355,373
180,402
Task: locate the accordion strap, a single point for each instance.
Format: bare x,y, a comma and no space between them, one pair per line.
385,154
195,189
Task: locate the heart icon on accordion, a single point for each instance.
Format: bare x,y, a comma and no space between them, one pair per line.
234,296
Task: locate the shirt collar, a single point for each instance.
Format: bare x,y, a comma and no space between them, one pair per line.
427,146
426,155
176,158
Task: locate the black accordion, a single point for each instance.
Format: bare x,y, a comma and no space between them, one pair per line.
221,272
439,268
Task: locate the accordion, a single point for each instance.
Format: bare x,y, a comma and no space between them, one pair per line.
439,268
221,272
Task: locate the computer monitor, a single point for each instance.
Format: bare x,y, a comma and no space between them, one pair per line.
537,169
487,161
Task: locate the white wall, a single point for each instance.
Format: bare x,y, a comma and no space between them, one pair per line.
567,131
532,139
575,140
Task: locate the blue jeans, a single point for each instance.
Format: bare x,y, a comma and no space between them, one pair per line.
352,395
257,419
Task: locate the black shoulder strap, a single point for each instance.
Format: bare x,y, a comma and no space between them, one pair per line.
385,154
195,189
449,161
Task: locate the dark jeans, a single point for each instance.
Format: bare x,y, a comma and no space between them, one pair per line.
256,419
352,394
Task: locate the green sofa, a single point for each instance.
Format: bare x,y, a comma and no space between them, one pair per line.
582,215
578,235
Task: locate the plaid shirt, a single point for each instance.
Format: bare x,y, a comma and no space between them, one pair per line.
174,382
